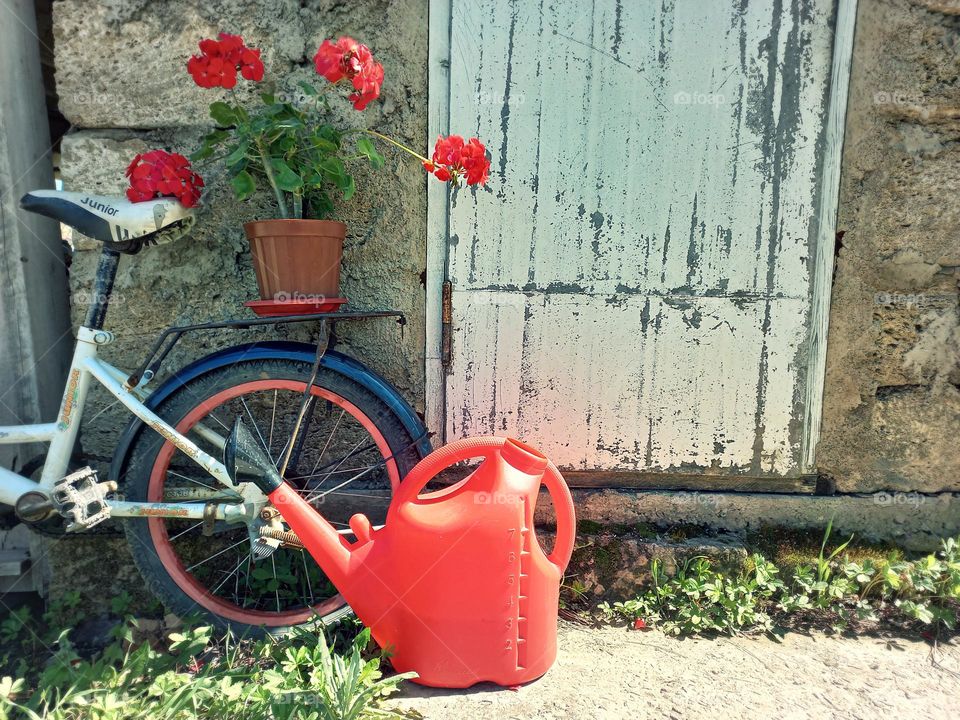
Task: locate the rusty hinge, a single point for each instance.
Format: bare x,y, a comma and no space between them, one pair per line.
446,323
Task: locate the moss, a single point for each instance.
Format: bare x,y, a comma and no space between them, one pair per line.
645,531
605,560
684,531
790,548
589,527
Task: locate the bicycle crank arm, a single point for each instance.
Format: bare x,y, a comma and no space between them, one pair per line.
227,512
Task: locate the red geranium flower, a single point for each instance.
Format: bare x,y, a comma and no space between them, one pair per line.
367,84
230,47
251,66
454,159
161,174
212,71
219,60
346,58
210,47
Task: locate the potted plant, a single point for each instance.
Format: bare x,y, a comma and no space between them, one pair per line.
296,152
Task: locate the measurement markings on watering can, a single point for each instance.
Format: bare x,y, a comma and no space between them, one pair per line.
523,595
513,642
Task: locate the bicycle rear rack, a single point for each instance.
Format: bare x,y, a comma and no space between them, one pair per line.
169,337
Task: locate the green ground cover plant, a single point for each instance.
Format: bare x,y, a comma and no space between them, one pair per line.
189,673
834,590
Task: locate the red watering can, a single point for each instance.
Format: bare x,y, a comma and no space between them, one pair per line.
455,584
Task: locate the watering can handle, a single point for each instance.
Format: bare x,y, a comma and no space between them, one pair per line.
468,448
566,517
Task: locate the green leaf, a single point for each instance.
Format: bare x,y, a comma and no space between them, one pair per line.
330,133
215,137
334,167
285,178
366,148
202,153
268,98
320,203
223,114
238,154
243,185
325,146
349,188
308,88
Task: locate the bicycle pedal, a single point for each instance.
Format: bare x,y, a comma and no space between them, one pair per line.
81,500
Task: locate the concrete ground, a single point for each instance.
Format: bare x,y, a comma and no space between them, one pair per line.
612,672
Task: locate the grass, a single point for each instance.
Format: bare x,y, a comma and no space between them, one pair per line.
185,674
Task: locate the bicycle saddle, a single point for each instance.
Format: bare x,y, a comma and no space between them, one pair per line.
123,225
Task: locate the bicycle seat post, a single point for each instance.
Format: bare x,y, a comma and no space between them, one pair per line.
102,287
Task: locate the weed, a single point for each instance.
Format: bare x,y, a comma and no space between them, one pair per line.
193,675
700,599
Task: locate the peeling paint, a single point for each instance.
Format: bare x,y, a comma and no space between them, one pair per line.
636,289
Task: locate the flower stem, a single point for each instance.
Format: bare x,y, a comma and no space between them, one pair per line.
396,144
271,178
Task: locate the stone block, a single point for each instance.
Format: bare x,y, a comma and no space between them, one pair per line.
123,63
914,337
917,429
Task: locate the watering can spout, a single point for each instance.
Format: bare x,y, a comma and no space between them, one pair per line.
246,460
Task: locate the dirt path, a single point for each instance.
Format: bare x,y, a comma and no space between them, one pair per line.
617,673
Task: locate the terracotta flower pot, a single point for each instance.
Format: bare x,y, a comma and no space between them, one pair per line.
296,259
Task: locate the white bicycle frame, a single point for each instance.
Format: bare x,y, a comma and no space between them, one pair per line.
62,436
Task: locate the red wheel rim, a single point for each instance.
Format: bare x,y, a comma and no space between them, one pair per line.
158,529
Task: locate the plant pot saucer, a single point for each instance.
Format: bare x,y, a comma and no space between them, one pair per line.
295,306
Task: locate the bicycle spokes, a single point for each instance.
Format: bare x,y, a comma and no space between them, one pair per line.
340,463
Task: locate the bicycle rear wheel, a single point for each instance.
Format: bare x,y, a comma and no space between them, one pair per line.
352,455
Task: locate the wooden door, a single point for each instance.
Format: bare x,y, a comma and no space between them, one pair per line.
638,286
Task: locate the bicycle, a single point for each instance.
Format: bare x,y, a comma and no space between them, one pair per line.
343,436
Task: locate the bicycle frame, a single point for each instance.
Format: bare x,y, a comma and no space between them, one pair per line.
62,436
227,502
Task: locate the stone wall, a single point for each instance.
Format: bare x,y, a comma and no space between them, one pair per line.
122,84
891,403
